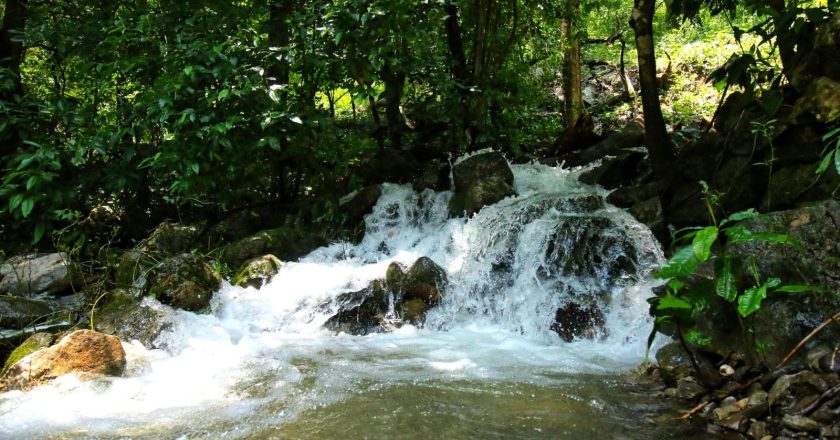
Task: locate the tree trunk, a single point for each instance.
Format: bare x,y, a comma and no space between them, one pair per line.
459,61
394,80
656,137
278,37
11,55
573,107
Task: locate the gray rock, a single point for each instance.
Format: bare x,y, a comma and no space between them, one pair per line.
800,423
18,312
32,274
132,320
674,363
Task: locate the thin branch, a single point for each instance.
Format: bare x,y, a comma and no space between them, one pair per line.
834,318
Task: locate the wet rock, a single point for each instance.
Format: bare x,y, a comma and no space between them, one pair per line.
674,363
394,277
618,171
648,212
356,205
414,311
185,282
824,359
33,274
257,272
435,176
287,244
800,423
32,344
796,183
361,312
169,238
689,389
480,180
132,320
133,271
580,134
578,321
423,280
18,312
83,351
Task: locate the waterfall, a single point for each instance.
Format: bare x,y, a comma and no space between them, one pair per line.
511,267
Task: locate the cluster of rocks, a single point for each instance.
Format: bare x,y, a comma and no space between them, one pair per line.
403,296
796,401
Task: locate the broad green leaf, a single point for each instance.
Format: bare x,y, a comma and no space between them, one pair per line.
224,93
772,282
195,168
825,162
681,264
670,301
725,284
737,234
26,206
703,241
837,158
675,285
798,288
697,338
740,215
831,134
751,299
40,228
14,202
774,237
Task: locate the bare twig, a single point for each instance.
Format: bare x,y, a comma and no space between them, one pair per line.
805,340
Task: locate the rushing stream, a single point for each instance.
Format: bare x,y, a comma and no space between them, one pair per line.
485,365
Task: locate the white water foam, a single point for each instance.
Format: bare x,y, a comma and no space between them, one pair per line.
510,267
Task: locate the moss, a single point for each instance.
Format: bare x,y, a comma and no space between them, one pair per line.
32,344
257,272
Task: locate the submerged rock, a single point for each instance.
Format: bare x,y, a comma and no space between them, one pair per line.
361,312
33,274
579,321
401,296
480,180
257,272
84,351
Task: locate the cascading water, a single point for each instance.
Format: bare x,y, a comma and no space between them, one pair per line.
262,366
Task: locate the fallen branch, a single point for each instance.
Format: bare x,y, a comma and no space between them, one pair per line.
805,340
825,397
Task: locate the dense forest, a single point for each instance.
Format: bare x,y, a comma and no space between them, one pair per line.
161,135
189,111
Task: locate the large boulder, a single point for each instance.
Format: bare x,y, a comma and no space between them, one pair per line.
480,180
287,244
184,282
356,205
434,176
257,272
416,290
33,274
820,102
132,320
84,352
575,320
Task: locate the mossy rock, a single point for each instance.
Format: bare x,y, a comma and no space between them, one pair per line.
132,320
257,272
287,244
170,238
32,344
480,180
185,282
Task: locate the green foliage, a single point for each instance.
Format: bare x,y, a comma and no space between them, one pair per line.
683,300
